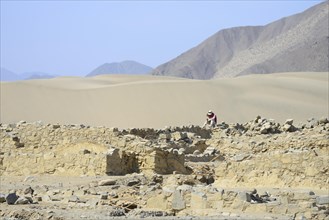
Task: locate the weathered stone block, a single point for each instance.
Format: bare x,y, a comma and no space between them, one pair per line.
241,157
163,162
92,203
292,209
178,202
257,208
279,209
306,205
178,135
303,195
289,121
107,182
73,198
157,202
165,136
311,171
244,196
322,200
198,200
103,196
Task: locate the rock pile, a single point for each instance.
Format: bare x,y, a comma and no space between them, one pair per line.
256,170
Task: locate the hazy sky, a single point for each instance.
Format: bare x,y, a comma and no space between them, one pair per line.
75,37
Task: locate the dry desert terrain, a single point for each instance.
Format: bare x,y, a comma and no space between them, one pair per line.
127,101
131,147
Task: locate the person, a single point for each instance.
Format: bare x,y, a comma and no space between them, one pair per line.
211,120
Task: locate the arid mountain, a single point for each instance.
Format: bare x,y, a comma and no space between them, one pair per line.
37,75
9,76
291,44
125,67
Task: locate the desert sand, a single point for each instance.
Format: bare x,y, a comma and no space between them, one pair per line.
127,101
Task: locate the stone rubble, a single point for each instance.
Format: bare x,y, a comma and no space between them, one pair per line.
257,170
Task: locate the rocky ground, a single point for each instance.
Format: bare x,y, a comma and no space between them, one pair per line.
257,170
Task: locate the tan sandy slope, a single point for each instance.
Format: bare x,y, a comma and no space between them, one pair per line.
152,101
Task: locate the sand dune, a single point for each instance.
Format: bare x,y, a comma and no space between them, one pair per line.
151,101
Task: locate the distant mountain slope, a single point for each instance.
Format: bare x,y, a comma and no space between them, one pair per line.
9,76
125,67
37,75
291,44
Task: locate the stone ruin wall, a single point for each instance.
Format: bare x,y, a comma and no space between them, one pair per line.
299,159
30,149
291,161
302,169
287,166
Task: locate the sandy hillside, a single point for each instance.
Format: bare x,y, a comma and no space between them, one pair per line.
149,101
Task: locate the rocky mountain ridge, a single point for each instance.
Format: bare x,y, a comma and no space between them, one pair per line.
292,44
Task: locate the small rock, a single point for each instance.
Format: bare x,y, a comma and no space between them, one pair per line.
289,128
29,179
38,198
289,121
241,157
165,136
103,196
92,191
107,182
56,126
157,178
56,198
114,195
92,202
265,129
133,182
85,151
311,123
210,151
196,152
46,198
21,122
323,121
74,199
